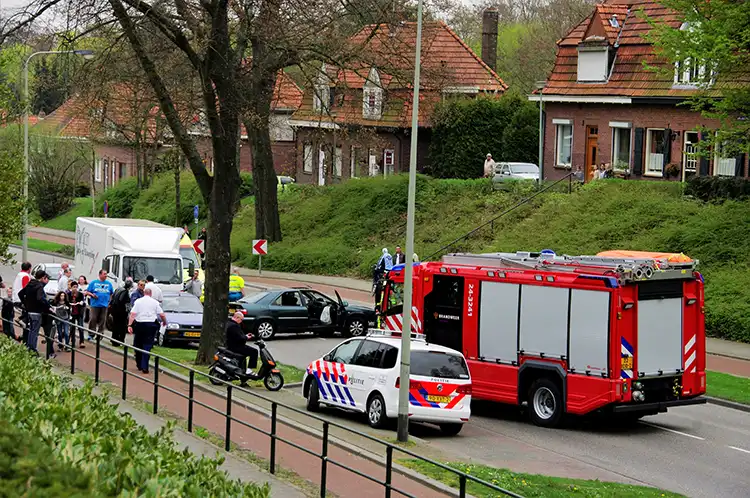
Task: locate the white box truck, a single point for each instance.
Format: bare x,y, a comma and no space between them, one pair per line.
129,248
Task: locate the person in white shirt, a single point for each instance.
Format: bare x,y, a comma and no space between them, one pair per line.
489,166
63,268
155,290
21,280
143,323
64,280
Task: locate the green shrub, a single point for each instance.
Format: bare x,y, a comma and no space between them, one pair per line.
709,188
82,190
157,202
88,434
246,188
121,198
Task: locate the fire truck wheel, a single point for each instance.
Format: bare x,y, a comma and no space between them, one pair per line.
545,403
313,396
376,412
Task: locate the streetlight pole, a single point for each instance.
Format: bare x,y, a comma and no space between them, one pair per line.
403,390
87,54
540,86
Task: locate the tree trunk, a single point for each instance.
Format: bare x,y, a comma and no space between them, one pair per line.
267,223
177,208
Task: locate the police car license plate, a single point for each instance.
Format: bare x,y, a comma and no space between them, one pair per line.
438,399
627,363
192,334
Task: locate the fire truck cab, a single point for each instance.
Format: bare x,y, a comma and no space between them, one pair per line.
617,332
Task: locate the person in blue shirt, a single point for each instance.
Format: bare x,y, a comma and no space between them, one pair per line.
100,292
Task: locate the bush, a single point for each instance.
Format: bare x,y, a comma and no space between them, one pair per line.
709,188
88,434
55,169
120,197
246,188
82,190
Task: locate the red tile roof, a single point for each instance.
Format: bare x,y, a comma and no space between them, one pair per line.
634,73
447,63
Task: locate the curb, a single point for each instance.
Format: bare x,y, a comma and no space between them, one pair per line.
724,355
301,278
728,404
310,431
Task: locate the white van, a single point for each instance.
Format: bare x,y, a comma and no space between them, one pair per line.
362,375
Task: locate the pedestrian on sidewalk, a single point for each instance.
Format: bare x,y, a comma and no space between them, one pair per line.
61,307
489,166
62,283
155,289
194,286
137,293
99,292
34,299
144,325
399,258
21,280
63,268
83,284
77,310
236,285
118,311
8,314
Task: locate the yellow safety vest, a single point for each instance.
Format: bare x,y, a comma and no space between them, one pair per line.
236,283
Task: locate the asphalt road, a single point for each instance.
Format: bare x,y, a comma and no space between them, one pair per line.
699,451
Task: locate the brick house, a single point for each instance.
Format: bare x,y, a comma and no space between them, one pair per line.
360,115
109,125
604,105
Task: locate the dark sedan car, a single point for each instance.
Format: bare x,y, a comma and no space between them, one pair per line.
184,314
300,310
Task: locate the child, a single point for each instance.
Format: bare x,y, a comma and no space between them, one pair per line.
61,306
77,310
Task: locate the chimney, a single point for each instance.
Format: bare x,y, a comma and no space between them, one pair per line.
489,37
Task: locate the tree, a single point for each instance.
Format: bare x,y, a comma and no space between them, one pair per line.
716,36
11,188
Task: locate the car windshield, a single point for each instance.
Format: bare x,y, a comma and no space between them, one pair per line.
524,168
437,364
254,298
182,304
188,256
165,271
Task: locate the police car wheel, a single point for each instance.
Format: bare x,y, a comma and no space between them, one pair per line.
376,412
313,396
265,330
451,429
545,403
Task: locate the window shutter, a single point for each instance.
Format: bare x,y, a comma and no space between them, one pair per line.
739,165
704,158
667,146
638,152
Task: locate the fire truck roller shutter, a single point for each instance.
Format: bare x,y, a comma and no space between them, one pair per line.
544,320
659,348
498,321
589,331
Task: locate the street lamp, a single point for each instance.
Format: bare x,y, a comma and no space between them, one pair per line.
540,86
86,54
403,390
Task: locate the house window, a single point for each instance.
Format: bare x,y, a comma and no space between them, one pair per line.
123,169
105,169
280,129
563,142
655,144
98,171
690,71
723,166
338,160
389,161
353,173
593,63
322,92
372,96
372,161
690,157
307,159
621,146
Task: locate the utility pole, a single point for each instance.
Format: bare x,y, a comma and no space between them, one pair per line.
403,390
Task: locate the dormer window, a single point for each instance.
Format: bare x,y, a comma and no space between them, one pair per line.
322,92
613,21
593,61
690,71
372,96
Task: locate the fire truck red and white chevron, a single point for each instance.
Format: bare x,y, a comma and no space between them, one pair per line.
395,322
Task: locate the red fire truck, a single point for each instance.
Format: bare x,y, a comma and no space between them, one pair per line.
562,334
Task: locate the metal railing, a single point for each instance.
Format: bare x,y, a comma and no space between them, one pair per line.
491,222
323,454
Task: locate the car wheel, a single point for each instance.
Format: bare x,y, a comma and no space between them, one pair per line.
451,429
376,412
355,327
545,403
265,330
313,396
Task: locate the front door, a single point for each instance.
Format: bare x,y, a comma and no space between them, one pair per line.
443,312
592,150
289,311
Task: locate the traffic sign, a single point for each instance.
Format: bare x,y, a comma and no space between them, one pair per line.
260,247
199,246
195,213
106,208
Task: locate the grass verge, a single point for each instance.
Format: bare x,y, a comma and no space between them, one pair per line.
44,245
531,485
67,220
729,387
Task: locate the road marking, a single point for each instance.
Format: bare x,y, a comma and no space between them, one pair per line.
740,449
673,431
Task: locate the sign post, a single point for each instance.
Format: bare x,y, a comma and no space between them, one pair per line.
195,214
106,208
260,247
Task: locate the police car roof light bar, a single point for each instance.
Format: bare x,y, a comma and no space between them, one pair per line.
394,333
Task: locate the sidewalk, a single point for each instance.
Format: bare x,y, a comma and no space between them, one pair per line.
341,482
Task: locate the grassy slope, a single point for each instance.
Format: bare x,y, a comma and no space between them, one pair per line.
67,221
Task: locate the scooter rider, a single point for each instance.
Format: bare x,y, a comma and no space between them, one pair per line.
236,341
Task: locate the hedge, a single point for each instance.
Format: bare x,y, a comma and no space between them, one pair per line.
88,434
718,188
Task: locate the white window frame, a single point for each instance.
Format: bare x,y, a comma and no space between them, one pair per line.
307,158
338,161
689,73
723,163
372,163
372,90
559,137
353,173
389,167
98,171
690,158
647,170
322,92
621,127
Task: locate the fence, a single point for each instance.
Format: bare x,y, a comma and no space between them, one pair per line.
325,460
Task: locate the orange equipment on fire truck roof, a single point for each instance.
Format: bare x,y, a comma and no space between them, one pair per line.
621,332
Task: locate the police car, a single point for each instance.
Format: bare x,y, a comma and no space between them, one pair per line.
362,375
